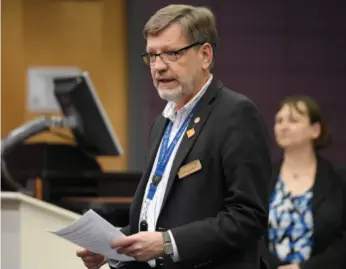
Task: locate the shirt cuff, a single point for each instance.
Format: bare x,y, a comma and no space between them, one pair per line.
175,255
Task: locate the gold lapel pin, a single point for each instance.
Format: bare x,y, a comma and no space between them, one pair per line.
190,133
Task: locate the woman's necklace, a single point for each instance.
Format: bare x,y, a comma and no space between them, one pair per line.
295,176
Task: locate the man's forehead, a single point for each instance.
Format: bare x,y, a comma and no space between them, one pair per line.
170,38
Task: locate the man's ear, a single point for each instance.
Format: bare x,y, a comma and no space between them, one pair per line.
207,55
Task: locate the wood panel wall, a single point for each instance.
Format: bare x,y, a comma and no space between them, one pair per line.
88,34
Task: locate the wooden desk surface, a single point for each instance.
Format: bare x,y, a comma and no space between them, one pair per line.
120,200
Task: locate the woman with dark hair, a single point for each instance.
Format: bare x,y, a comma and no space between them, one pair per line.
307,219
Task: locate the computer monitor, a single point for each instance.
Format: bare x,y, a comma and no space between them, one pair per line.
79,102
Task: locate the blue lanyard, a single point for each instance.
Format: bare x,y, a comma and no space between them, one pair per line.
166,152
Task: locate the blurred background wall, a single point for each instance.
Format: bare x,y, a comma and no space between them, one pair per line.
267,50
88,34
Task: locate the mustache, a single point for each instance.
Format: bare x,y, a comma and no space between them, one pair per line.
164,78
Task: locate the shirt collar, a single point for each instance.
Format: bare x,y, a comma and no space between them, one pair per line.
170,109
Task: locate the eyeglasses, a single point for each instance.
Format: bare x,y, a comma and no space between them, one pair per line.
166,56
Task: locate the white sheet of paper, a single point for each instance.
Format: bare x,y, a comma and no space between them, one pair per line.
94,233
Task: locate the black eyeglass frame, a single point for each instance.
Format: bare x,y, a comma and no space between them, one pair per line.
147,55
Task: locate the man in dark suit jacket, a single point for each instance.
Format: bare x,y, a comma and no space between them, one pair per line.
203,202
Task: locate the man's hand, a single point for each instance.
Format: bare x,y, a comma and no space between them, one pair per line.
143,246
289,266
91,260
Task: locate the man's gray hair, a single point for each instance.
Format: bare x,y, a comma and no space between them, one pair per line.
198,23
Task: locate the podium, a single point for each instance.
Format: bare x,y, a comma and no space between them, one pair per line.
26,243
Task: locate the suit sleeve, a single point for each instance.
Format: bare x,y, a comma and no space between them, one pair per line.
125,230
334,257
113,264
243,219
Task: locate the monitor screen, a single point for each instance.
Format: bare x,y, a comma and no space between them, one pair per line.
79,102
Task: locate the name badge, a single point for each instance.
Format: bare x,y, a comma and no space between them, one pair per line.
189,169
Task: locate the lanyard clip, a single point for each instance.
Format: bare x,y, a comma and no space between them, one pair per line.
156,180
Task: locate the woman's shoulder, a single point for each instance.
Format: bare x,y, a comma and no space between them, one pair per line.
340,170
335,169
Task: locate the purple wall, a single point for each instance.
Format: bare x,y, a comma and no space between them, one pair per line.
270,49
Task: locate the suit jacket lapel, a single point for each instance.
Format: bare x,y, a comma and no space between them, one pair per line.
322,184
202,111
321,188
157,133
